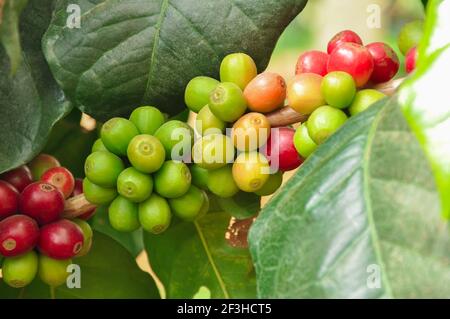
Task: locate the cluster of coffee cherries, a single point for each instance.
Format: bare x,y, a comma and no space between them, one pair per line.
34,236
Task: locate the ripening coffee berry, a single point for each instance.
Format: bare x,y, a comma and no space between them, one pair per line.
177,138
312,62
272,185
20,271
221,182
61,240
213,151
238,68
53,272
147,119
117,133
304,93
9,200
266,92
134,185
323,122
155,214
103,168
172,180
87,236
20,178
123,215
250,132
338,89
18,234
98,195
363,99
346,36
197,92
42,202
280,150
61,178
386,63
303,143
207,123
188,206
411,59
251,171
40,164
146,153
227,102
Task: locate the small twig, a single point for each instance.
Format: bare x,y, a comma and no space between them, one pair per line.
77,206
287,116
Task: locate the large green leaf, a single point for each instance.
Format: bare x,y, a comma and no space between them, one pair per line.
30,101
363,205
108,271
191,255
128,53
425,100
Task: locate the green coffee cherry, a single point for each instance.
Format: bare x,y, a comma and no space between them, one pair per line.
363,99
197,92
155,214
338,88
53,272
173,179
147,119
205,207
87,235
117,133
96,194
177,138
227,102
272,185
221,182
98,146
208,123
213,151
123,215
146,153
238,68
134,185
303,143
410,36
199,176
103,168
323,122
189,206
20,271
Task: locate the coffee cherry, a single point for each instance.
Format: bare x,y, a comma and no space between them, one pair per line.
78,189
272,185
96,194
147,119
346,36
40,164
177,138
98,146
251,171
227,102
303,143
323,122
304,93
20,178
155,214
103,168
363,99
199,176
207,123
173,179
146,153
134,185
266,92
411,59
280,150
197,92
238,68
312,62
213,151
117,133
354,59
123,215
61,240
250,132
53,272
221,182
42,201
61,178
9,200
18,234
87,236
386,63
338,89
20,271
410,35
188,207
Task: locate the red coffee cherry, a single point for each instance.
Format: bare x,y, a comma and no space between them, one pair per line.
9,200
18,234
61,178
61,240
19,178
